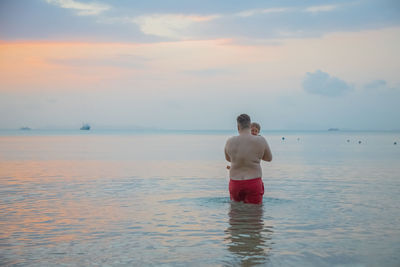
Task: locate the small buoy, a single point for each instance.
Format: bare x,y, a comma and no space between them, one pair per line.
359,142
298,139
283,138
395,143
348,140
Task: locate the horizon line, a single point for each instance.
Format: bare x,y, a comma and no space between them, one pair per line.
200,130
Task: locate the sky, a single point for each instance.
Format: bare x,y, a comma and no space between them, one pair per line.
179,64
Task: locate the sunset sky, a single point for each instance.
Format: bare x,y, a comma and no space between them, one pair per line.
198,64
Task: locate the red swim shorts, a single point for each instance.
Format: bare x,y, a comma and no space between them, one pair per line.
248,191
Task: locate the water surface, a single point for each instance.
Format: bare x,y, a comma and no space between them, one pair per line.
122,198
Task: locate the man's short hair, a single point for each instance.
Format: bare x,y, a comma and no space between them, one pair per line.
255,124
243,121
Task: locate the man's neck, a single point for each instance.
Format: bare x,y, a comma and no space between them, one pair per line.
244,131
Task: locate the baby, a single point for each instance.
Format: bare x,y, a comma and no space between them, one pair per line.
255,130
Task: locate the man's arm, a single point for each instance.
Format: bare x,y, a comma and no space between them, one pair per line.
227,157
267,152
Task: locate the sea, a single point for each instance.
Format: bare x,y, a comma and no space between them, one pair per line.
160,198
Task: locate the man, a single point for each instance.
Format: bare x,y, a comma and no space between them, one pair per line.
245,152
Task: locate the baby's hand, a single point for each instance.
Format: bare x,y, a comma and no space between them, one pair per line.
228,167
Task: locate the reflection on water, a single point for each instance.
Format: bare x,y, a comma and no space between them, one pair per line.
249,237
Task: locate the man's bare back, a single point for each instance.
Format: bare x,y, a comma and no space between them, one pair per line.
245,153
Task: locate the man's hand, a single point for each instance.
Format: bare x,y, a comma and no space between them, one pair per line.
267,152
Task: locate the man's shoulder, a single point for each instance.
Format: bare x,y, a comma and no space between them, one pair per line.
232,138
261,139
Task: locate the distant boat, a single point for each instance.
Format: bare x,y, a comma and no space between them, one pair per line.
85,126
25,128
333,129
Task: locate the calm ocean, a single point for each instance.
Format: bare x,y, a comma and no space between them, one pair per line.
123,198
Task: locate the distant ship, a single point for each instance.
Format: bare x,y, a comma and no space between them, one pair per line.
333,129
25,128
85,126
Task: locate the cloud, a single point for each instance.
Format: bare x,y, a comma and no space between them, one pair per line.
248,20
82,9
208,72
120,61
377,84
324,8
321,83
169,25
178,26
380,87
252,12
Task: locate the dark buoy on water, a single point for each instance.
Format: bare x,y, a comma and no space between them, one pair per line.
359,142
298,139
395,143
348,141
283,138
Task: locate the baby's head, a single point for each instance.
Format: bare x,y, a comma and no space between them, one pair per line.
255,128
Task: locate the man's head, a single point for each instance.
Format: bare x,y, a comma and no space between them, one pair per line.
255,128
243,121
